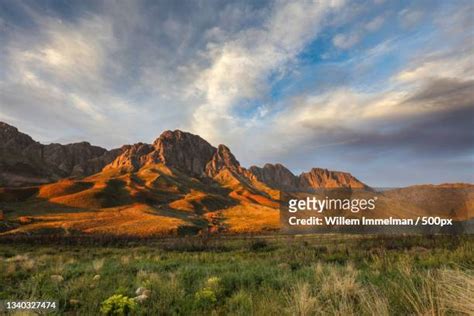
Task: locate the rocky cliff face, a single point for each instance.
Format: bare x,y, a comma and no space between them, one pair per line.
11,138
184,151
132,157
276,176
279,177
222,159
193,155
323,178
176,149
25,161
76,159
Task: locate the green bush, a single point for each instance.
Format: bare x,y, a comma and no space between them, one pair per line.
213,283
205,298
118,304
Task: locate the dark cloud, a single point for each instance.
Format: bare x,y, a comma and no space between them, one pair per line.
445,93
445,130
435,143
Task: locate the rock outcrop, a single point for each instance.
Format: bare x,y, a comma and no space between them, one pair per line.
176,149
184,151
132,157
276,176
25,161
279,177
221,159
322,178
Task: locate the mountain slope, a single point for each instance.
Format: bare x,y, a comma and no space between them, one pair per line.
278,176
24,161
179,184
179,176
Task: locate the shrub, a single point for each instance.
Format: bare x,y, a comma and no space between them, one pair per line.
213,283
205,298
118,304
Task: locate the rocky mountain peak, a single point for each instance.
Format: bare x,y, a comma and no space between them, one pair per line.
222,158
177,136
10,136
184,151
224,154
132,157
275,175
324,178
23,160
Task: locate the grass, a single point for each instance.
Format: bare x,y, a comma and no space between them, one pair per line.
311,275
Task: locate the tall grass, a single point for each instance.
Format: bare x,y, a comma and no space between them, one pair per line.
309,276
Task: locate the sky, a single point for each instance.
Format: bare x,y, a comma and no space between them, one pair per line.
381,89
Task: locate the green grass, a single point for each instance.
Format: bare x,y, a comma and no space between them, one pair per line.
315,275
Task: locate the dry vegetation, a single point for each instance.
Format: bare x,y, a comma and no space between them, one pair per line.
312,275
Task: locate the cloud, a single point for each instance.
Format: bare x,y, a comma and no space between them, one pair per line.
66,53
439,65
375,23
349,40
239,68
91,73
421,117
410,17
247,74
60,65
444,93
356,131
345,41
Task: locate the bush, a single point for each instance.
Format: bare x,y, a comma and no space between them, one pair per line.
205,298
213,283
118,304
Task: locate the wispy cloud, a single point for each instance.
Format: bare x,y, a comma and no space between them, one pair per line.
375,23
240,67
339,84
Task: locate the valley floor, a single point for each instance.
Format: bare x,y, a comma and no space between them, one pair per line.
310,275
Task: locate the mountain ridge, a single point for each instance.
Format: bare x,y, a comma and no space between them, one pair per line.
25,161
31,162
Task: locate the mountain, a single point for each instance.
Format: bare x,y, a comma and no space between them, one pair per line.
279,177
24,161
196,157
179,184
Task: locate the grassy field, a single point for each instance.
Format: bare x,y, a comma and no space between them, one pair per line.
311,275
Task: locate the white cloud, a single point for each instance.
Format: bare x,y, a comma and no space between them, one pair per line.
125,72
345,41
239,67
452,65
65,60
70,53
435,82
375,23
410,17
